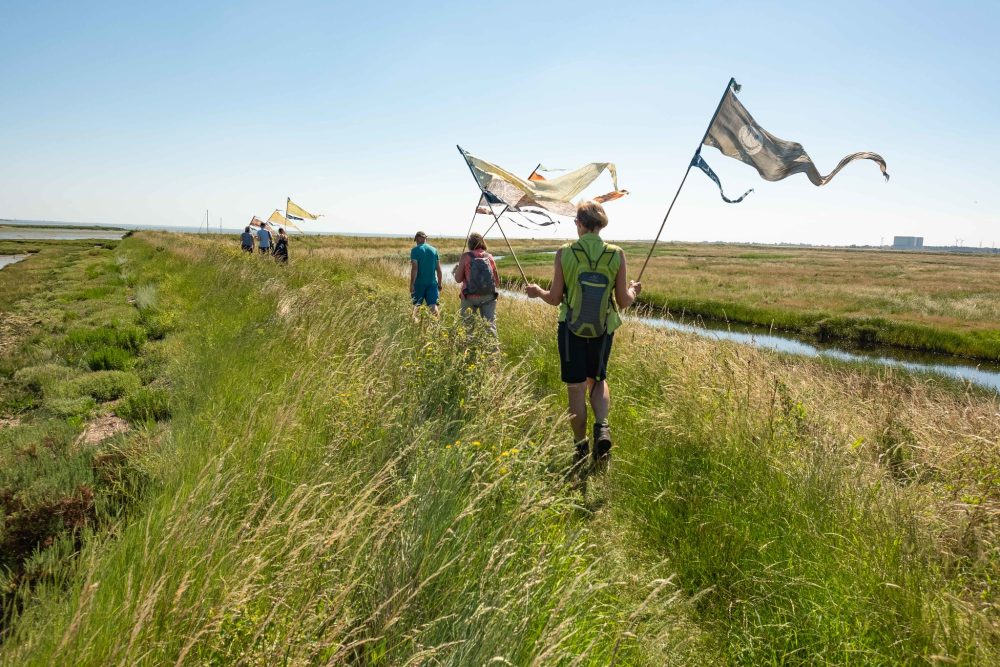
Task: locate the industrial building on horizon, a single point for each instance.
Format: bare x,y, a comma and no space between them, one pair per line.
907,242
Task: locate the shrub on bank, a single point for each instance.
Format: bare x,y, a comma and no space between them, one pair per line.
39,379
144,405
126,337
107,385
108,359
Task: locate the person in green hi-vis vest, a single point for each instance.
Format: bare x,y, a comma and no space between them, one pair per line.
589,285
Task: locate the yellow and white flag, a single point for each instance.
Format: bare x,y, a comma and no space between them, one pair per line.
296,212
281,221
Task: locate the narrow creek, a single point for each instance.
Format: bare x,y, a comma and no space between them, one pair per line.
6,260
982,374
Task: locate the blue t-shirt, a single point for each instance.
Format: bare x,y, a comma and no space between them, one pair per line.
263,238
426,257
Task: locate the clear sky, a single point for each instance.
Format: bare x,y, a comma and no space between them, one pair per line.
151,113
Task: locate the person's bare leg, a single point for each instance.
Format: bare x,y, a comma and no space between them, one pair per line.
600,400
578,409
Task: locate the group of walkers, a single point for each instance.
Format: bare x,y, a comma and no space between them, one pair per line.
266,244
590,287
476,274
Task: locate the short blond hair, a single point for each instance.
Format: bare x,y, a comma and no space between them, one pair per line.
477,242
591,215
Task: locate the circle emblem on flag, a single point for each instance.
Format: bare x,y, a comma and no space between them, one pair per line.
751,139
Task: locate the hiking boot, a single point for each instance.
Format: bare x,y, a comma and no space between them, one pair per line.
602,441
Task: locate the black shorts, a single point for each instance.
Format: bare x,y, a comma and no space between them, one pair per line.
582,358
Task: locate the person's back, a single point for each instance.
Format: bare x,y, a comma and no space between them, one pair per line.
246,240
426,257
590,267
263,239
477,272
281,247
425,273
589,284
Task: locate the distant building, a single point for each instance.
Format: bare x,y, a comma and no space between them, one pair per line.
907,242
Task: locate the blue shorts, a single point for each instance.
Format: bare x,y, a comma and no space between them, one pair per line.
425,294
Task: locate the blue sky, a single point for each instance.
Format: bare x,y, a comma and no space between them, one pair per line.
152,113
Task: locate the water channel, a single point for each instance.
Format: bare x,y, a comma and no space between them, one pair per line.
25,233
5,260
983,374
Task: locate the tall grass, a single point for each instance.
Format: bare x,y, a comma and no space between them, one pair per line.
372,494
363,490
812,512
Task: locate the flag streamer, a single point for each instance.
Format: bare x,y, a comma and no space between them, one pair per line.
701,164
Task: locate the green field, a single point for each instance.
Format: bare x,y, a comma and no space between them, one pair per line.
937,302
309,477
934,302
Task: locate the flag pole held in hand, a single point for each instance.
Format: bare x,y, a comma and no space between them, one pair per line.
736,87
736,134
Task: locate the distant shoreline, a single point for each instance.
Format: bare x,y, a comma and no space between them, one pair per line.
56,224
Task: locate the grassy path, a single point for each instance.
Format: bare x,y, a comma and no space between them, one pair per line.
340,486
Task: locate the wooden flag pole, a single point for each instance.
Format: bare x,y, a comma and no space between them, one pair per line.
736,87
509,246
496,218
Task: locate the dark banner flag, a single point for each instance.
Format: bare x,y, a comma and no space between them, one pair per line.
736,134
701,164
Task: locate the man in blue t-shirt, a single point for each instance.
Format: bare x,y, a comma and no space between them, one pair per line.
425,274
264,240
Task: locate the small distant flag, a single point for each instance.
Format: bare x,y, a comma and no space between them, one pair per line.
736,134
295,212
256,222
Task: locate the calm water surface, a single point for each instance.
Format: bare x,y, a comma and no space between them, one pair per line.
56,234
10,259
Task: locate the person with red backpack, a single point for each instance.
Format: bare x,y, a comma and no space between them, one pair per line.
589,285
476,272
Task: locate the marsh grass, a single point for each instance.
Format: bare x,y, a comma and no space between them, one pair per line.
812,513
66,313
377,495
927,301
329,509
938,302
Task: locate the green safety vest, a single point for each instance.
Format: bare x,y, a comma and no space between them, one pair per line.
590,267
